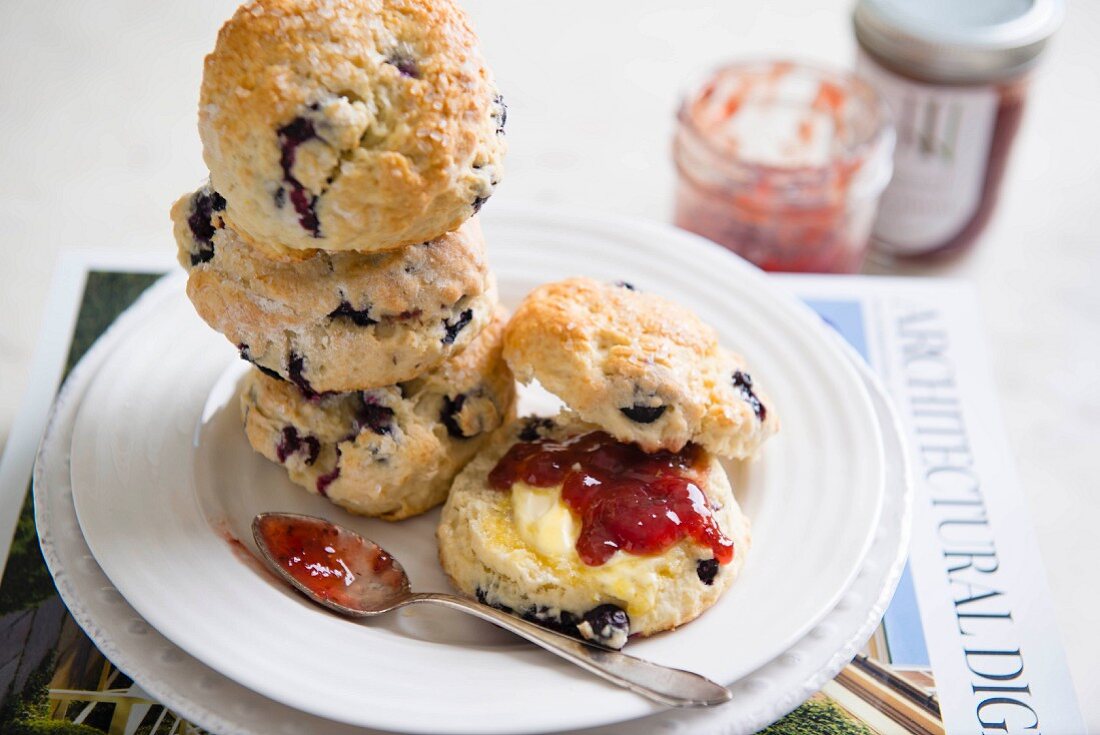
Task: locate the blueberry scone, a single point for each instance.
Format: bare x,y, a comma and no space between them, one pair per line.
389,452
335,321
641,367
350,124
560,523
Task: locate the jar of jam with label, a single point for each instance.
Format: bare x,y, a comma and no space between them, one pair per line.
955,74
783,163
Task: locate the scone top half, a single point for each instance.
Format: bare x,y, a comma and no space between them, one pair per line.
639,366
335,321
349,124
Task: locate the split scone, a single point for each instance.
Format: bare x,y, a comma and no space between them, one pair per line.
560,523
350,124
641,367
335,321
388,452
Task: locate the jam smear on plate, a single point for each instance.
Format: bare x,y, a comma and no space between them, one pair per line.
625,498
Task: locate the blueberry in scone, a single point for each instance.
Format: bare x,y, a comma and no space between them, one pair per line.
389,452
562,524
639,366
335,321
350,124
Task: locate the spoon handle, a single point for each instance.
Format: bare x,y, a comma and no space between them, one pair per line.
660,683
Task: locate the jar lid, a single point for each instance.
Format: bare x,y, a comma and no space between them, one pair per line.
957,40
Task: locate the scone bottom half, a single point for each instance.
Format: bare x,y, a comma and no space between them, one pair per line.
388,452
639,366
561,524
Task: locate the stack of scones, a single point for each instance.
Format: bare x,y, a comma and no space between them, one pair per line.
350,145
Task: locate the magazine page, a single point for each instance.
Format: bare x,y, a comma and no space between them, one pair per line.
971,628
53,679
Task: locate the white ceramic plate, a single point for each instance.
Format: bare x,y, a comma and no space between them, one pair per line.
162,477
220,705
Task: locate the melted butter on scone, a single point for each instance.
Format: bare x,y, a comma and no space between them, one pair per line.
543,521
548,527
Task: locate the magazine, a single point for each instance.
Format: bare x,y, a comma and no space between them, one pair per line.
968,645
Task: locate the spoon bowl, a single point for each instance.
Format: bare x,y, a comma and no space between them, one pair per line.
332,565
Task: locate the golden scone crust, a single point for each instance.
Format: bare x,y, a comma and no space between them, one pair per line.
336,321
643,368
485,555
350,124
390,452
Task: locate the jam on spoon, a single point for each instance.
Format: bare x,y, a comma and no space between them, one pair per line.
329,561
625,498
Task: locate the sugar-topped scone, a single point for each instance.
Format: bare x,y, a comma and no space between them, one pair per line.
335,321
390,452
560,523
641,367
350,124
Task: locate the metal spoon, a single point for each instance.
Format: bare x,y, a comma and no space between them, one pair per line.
339,569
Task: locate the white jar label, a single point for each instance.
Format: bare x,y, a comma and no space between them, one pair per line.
943,139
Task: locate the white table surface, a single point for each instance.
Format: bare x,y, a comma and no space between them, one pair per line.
97,138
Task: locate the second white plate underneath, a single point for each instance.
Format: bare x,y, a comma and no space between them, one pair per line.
162,477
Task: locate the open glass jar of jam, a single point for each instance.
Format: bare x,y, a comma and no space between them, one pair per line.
783,163
955,74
